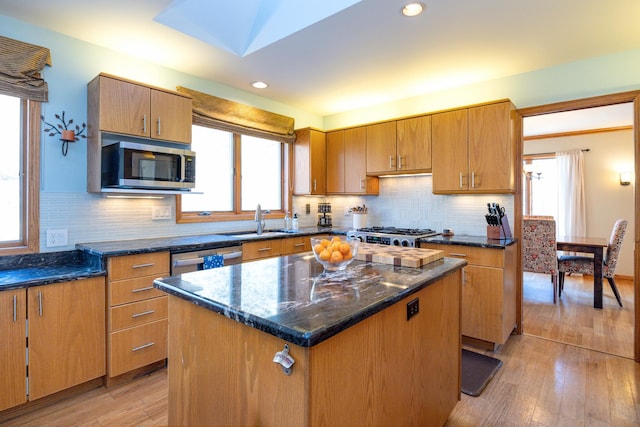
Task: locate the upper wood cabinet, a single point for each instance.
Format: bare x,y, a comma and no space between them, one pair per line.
474,150
126,107
310,160
347,163
402,146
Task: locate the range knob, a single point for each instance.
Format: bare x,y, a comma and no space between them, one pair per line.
396,242
405,243
358,237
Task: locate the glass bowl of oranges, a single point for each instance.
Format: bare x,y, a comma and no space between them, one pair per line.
334,253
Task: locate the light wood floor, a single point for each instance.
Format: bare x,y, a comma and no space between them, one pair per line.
542,382
573,320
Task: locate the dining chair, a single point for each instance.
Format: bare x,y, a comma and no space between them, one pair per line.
584,264
539,253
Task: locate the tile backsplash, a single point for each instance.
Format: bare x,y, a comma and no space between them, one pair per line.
404,201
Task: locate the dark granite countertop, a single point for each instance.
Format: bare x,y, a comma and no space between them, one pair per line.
22,271
465,240
192,243
292,298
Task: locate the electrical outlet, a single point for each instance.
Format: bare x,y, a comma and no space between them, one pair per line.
57,238
413,308
160,212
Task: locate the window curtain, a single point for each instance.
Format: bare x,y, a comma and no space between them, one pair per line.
21,65
572,220
222,114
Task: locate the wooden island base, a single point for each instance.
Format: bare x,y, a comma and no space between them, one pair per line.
385,370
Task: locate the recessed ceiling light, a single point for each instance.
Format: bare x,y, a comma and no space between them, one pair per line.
412,9
260,85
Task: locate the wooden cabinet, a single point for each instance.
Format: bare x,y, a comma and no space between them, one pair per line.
294,245
347,159
137,312
381,148
402,146
131,108
66,339
473,150
66,335
488,290
13,341
117,106
261,249
310,162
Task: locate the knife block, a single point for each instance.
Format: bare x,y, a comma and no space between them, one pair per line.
499,232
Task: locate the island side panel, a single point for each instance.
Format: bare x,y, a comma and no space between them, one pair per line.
390,371
221,373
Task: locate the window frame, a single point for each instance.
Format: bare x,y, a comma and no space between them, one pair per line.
30,182
238,214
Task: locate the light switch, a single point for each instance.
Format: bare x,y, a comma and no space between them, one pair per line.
160,212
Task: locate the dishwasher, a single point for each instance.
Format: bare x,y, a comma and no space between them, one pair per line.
186,262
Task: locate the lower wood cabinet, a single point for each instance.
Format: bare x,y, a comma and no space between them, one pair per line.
137,312
261,249
66,339
488,290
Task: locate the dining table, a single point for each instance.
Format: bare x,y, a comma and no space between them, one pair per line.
592,245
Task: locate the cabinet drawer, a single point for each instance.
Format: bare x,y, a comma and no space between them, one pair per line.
474,255
138,313
136,347
132,290
262,249
126,267
294,245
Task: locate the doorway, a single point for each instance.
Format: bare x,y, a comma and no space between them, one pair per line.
548,111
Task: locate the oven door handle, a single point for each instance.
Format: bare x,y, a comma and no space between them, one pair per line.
200,260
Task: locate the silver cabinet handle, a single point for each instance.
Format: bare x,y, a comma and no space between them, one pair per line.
150,264
456,254
297,245
144,313
460,179
390,162
263,249
399,162
473,180
40,303
143,346
315,187
15,308
159,124
144,123
148,288
361,183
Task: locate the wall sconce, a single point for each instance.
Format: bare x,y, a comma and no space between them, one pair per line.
66,131
527,169
625,178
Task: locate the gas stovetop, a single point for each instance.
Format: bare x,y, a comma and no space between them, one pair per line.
391,235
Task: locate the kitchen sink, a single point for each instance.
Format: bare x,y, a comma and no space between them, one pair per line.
256,235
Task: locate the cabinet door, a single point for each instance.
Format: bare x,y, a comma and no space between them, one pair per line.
413,144
310,160
13,344
381,148
261,249
482,302
66,335
449,151
170,117
355,160
294,245
124,107
491,148
335,162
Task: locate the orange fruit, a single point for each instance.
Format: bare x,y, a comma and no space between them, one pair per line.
324,242
335,239
318,248
336,257
324,255
347,257
345,248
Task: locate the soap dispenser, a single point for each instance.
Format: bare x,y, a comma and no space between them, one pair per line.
294,222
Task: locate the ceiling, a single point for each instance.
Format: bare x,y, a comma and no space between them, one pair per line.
364,55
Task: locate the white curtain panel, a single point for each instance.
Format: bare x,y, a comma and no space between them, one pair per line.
571,215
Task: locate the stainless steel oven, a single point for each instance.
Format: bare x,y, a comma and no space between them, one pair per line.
186,262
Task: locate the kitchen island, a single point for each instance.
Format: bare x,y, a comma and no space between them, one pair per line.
359,357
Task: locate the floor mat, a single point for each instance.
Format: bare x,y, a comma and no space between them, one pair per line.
477,371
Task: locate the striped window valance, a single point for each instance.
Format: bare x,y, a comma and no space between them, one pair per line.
219,113
21,65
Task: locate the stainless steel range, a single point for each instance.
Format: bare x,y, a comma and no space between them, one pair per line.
391,235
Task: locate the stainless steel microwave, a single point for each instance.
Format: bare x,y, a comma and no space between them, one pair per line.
132,165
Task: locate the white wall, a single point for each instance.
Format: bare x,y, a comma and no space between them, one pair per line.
606,199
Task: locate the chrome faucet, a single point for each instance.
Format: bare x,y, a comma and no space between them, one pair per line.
259,218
